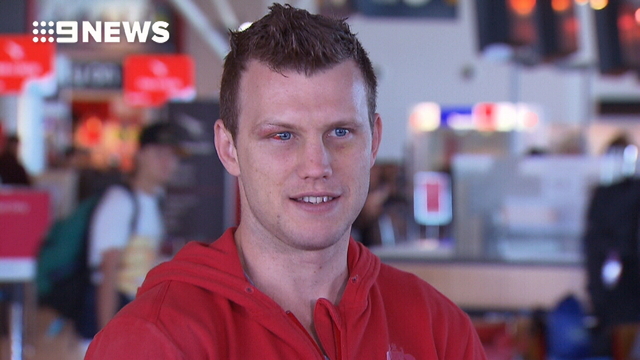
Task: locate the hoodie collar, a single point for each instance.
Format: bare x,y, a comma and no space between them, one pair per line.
216,267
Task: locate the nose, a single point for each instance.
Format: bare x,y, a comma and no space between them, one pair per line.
314,160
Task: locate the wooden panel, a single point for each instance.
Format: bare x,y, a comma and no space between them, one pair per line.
501,286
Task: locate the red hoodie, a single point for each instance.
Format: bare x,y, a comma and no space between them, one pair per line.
200,305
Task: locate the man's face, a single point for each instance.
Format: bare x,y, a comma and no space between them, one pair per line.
302,153
157,163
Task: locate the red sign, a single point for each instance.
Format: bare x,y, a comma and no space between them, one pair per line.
484,116
433,196
152,80
432,201
24,220
21,60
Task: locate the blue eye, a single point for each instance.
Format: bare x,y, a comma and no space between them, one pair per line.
340,132
285,135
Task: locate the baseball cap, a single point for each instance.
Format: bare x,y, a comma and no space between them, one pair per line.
163,134
159,134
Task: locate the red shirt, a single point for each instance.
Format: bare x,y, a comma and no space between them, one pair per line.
201,306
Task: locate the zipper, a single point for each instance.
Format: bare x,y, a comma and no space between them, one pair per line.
337,334
337,339
295,320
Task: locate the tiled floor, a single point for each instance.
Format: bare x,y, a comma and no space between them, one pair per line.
40,344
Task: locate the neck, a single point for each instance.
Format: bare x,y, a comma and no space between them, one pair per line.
146,186
295,279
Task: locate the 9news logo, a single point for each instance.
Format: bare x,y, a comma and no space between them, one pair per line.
100,32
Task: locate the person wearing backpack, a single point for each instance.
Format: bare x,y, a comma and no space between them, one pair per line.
126,229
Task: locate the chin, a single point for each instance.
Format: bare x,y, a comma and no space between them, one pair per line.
317,238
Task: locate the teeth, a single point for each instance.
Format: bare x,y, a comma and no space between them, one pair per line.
315,199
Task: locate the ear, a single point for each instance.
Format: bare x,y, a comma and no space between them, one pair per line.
226,148
376,138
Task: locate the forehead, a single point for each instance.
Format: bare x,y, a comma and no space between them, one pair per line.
340,88
257,72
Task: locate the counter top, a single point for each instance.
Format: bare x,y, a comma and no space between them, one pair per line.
417,252
499,285
17,270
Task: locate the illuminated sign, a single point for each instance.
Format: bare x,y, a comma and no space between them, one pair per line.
21,61
488,117
432,201
152,80
93,75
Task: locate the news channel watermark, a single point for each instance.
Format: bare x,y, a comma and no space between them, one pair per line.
71,32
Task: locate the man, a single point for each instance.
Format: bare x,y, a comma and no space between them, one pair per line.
126,228
300,132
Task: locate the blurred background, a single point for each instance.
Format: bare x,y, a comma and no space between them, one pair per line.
502,121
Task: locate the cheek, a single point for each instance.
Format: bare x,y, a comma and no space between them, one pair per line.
263,163
264,177
353,160
172,164
359,174
363,180
165,165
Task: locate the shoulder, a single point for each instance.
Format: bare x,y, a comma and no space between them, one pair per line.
118,192
119,341
414,303
142,316
391,277
417,305
416,295
165,313
168,301
116,196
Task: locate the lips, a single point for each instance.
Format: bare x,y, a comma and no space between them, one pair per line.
315,199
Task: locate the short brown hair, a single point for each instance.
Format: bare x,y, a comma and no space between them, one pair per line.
291,39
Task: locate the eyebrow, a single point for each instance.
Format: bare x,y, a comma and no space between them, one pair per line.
276,124
352,123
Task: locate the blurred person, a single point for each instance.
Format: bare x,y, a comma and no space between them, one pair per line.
299,130
91,179
12,172
365,227
63,180
126,231
618,144
75,157
611,244
383,218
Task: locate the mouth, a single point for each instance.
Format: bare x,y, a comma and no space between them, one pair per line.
315,199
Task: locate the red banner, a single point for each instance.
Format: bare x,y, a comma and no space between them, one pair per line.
152,80
24,220
432,201
22,59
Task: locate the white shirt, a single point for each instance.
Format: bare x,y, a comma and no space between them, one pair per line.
111,222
